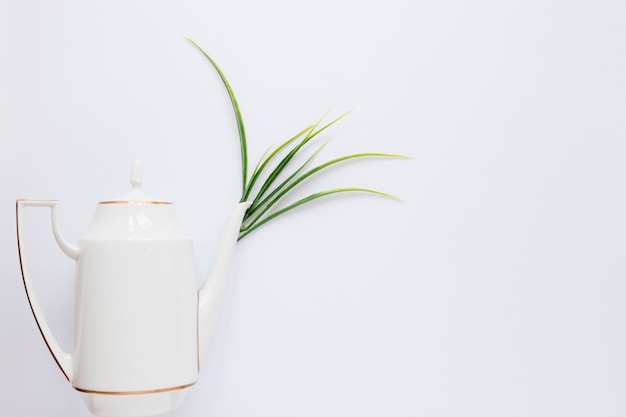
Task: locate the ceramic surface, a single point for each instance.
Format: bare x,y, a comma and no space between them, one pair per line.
141,325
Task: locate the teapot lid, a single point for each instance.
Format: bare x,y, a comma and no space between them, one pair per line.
136,196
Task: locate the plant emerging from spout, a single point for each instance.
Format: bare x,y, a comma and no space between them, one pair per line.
270,191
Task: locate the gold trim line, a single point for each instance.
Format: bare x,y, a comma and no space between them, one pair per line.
151,391
30,304
133,202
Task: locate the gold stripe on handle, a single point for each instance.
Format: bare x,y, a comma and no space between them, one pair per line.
30,304
151,391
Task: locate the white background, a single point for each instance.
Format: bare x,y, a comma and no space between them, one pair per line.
496,289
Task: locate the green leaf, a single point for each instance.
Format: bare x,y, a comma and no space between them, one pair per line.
267,203
263,163
285,161
258,164
252,210
262,203
238,117
310,198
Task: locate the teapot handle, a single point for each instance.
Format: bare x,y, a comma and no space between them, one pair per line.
63,359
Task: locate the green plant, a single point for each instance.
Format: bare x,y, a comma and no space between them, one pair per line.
267,195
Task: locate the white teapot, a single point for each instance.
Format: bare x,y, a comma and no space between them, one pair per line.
141,325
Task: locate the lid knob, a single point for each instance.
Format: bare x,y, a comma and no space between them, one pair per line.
135,195
135,176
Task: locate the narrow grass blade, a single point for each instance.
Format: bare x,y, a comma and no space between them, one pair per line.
309,199
263,163
266,204
285,161
238,117
258,164
252,209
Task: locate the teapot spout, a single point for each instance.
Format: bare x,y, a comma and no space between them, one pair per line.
211,293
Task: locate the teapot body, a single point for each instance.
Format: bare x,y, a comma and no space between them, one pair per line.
136,314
